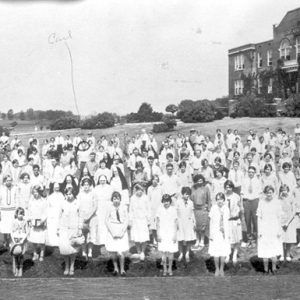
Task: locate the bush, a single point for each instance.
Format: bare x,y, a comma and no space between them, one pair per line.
144,114
6,130
160,127
66,123
103,120
196,111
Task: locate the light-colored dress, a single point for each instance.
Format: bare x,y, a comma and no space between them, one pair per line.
155,195
8,205
88,208
103,197
116,226
269,241
37,212
167,223
54,202
235,227
219,244
19,230
23,195
296,194
69,226
186,220
288,207
139,218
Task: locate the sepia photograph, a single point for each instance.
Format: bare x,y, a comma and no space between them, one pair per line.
149,149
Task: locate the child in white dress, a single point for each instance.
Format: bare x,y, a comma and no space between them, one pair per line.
37,217
167,223
54,202
70,230
18,245
219,244
154,194
288,221
117,239
186,223
139,219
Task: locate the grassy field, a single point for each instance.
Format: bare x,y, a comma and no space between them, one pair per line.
242,124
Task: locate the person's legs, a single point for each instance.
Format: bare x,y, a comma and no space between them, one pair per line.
235,253
217,266
288,251
247,213
35,255
42,253
274,261
254,205
67,265
115,263
180,247
187,253
72,263
84,250
14,267
170,257
266,264
122,263
90,250
222,263
20,266
143,249
164,263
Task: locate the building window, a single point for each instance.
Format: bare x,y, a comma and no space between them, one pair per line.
259,60
285,50
239,87
259,85
270,86
297,46
269,57
239,62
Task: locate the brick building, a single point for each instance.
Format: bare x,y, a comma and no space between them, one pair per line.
270,68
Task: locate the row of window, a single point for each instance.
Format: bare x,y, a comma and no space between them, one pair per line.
239,86
284,50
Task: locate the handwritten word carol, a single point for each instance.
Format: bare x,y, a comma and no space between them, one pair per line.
54,38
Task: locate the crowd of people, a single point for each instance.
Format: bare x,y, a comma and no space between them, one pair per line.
189,192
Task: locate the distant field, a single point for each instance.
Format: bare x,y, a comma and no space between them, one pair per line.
26,128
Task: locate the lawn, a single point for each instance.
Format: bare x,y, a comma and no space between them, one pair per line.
242,124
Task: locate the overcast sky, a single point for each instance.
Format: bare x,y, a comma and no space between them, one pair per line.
124,52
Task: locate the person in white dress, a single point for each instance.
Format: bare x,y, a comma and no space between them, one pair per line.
139,219
186,223
70,230
24,191
233,201
167,224
219,243
8,205
154,194
269,242
88,208
288,221
54,202
117,242
37,217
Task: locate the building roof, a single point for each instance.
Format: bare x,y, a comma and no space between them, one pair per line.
290,15
241,48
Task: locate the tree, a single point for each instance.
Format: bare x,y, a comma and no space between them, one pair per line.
3,116
144,114
145,109
22,115
30,114
103,120
172,108
10,114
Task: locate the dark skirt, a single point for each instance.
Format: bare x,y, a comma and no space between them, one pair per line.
202,220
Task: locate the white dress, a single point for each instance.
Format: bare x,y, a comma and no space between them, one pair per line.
8,204
269,241
37,211
54,202
23,195
155,195
235,227
186,220
219,244
103,198
167,219
69,226
288,207
88,207
114,226
139,218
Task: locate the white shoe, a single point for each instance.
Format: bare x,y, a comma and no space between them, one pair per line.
281,258
288,258
90,254
142,256
201,244
234,257
187,257
227,259
35,256
180,257
298,245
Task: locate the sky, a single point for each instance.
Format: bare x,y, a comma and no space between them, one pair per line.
124,52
